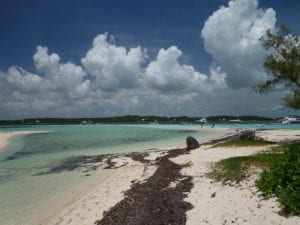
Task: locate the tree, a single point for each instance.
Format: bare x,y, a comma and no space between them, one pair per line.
283,64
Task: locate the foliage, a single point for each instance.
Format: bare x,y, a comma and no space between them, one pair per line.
283,63
283,180
277,149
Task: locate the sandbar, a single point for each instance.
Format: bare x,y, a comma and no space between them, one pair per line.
6,136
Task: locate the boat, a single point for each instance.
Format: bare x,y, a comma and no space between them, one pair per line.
155,122
291,119
203,120
235,121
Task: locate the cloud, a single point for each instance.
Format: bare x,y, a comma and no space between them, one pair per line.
115,80
166,74
114,67
61,75
23,81
231,34
56,86
122,82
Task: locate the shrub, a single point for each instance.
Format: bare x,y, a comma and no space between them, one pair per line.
283,181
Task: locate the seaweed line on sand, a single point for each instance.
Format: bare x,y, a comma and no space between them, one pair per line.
154,202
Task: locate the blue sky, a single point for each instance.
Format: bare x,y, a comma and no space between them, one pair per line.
68,28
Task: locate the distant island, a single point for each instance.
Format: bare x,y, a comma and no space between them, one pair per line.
134,119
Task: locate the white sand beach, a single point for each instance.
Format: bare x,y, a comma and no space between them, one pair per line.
279,135
6,136
214,203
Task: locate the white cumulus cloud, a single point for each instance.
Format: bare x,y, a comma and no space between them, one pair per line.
113,66
61,75
231,34
166,74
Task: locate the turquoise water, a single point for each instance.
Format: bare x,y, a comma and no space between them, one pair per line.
29,197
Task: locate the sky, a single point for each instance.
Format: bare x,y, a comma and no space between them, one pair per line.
92,58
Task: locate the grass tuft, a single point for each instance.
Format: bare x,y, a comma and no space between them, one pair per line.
280,177
283,181
236,169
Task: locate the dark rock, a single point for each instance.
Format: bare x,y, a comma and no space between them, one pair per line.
247,135
192,143
244,135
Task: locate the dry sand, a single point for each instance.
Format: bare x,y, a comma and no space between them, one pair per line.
6,136
279,135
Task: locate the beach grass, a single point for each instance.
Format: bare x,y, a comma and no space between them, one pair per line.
283,181
236,169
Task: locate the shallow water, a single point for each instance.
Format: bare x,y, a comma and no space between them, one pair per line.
29,194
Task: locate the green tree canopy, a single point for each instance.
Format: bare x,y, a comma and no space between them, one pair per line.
283,65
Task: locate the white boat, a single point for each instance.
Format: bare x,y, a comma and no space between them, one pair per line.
155,122
203,120
235,121
291,119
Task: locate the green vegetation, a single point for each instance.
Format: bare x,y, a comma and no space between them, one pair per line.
276,149
283,63
281,175
283,181
243,143
236,169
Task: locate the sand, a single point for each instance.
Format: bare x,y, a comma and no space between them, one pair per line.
215,203
91,207
279,135
6,136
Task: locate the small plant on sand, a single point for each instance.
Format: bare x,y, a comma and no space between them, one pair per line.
236,169
283,181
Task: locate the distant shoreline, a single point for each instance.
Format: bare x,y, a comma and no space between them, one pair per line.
134,119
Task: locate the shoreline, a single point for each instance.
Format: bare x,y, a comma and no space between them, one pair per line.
136,168
56,208
93,207
5,137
